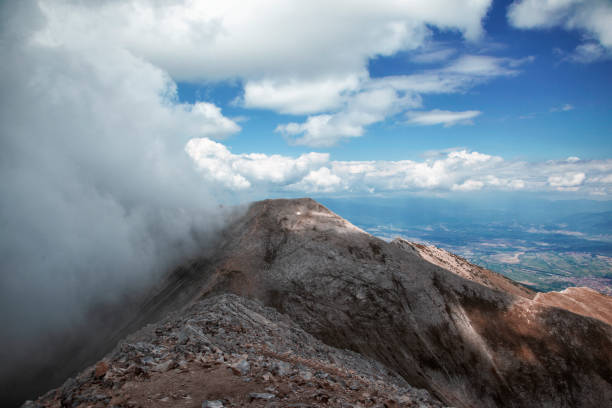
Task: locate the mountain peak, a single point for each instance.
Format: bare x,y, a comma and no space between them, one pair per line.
299,214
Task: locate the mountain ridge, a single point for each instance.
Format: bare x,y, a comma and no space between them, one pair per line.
469,344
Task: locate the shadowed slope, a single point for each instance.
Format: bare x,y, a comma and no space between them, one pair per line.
465,269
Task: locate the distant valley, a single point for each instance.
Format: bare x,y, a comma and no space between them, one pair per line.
549,250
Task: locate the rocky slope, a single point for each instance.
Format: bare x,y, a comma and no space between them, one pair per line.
582,301
471,338
227,351
465,269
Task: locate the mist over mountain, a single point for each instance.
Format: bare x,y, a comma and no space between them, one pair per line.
98,198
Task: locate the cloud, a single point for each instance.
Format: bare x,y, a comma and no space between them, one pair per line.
98,195
586,53
360,110
442,172
442,117
458,75
318,181
293,57
263,39
242,171
484,66
287,55
562,108
594,17
468,185
373,100
299,97
208,120
435,56
570,179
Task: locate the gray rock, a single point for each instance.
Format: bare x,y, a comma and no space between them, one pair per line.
165,366
242,367
261,396
212,404
306,374
280,368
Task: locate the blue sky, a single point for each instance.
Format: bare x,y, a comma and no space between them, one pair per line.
522,116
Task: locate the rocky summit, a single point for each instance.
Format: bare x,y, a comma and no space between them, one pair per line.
297,307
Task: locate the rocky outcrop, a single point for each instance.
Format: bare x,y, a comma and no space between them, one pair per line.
465,269
472,339
228,351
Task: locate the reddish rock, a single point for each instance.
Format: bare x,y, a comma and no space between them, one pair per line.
101,369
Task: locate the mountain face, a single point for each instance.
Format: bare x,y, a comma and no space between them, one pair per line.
471,337
465,269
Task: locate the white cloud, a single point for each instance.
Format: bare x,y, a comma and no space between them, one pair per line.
242,171
591,16
446,118
457,76
433,56
485,66
360,110
318,181
563,108
92,163
299,97
586,53
292,57
450,171
468,185
208,120
376,99
572,179
258,40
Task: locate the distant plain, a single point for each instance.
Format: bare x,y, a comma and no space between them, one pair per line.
544,244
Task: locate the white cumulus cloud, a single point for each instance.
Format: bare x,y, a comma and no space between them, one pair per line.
594,17
228,39
566,180
362,109
293,57
373,100
450,171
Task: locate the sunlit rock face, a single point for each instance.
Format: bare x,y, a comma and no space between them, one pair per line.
582,301
470,337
